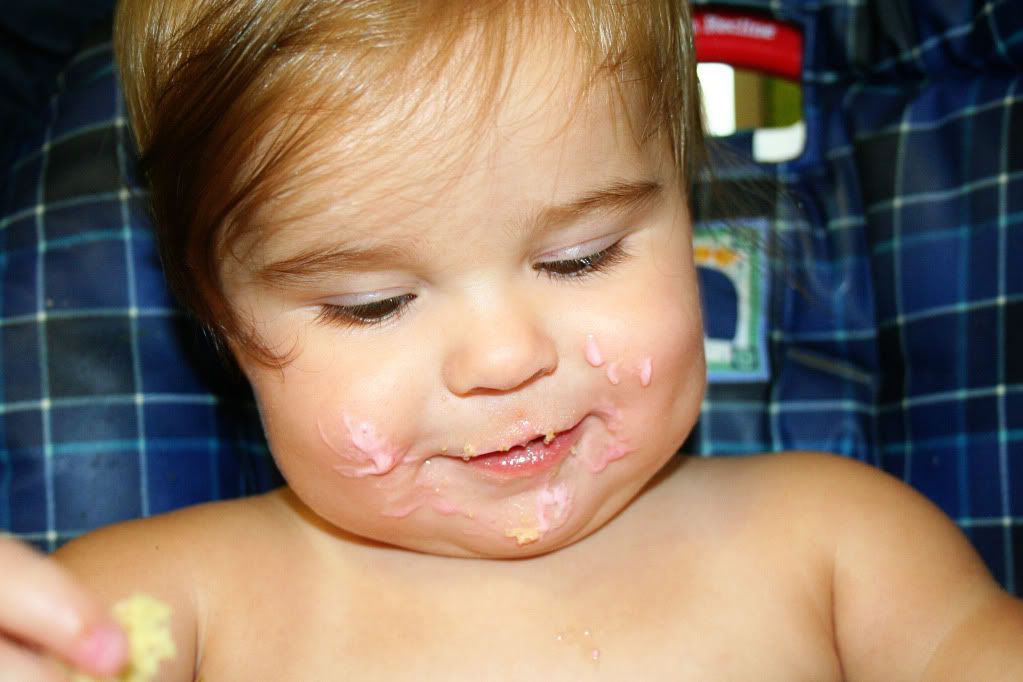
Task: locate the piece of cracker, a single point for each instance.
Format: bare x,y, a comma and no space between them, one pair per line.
146,621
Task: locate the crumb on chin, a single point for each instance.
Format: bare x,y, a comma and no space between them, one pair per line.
146,622
523,536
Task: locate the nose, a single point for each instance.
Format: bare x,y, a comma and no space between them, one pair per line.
501,345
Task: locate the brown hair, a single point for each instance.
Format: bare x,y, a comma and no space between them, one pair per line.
226,98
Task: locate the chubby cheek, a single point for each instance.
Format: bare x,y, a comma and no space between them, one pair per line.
646,363
336,434
649,386
355,455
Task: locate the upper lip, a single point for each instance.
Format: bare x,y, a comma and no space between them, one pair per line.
492,446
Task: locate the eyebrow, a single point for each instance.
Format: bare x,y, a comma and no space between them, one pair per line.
311,265
619,196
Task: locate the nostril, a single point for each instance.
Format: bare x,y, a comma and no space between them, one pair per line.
542,372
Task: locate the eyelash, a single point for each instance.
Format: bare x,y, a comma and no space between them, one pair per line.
594,263
366,314
390,309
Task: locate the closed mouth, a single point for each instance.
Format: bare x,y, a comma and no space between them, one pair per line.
529,458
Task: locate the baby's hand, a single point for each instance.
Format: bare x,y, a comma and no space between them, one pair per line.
47,616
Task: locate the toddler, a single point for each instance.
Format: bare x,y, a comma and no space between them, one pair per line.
449,246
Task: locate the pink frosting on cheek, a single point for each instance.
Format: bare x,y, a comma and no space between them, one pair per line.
595,358
592,352
616,446
361,448
646,371
611,453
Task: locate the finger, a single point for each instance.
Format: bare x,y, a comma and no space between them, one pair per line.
44,605
23,665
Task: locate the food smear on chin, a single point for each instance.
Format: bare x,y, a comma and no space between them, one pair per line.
552,507
363,450
424,498
446,507
523,536
646,371
431,489
402,511
592,352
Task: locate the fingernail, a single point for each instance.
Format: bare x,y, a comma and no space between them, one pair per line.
104,650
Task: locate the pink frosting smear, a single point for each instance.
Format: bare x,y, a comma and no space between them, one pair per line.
612,373
446,507
593,354
612,454
646,371
363,450
402,511
552,507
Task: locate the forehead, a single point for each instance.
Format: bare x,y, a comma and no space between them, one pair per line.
467,142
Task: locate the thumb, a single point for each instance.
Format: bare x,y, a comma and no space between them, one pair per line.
46,607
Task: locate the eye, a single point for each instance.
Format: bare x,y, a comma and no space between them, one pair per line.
364,314
598,261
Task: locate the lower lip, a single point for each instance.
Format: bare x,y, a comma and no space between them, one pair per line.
528,460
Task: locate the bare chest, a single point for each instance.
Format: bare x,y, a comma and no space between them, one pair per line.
648,623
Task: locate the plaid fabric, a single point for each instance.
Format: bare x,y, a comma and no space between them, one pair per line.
112,406
896,317
36,40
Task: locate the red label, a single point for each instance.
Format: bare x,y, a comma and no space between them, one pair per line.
748,41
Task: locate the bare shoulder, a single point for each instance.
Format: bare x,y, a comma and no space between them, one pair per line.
814,489
872,525
843,493
179,558
863,511
786,513
790,471
145,548
911,599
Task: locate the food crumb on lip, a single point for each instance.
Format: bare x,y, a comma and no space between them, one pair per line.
469,452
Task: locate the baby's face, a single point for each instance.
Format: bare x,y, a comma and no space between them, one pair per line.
495,333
